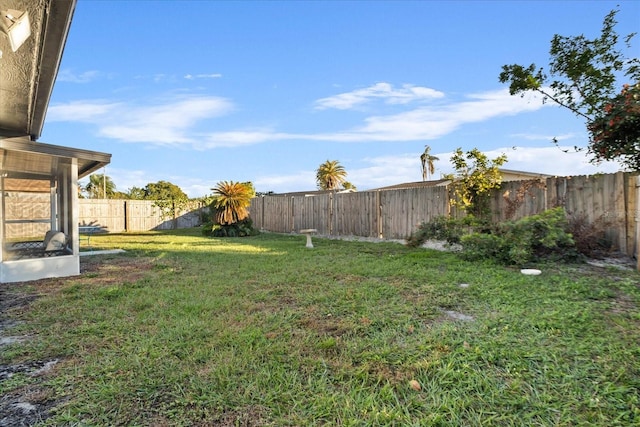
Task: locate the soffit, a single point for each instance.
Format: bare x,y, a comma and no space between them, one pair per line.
27,75
23,159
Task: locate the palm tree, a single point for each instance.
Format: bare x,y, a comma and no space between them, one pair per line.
428,168
100,186
231,201
330,175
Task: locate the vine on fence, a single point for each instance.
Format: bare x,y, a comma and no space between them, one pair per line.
521,193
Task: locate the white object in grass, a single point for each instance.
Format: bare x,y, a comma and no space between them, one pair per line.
309,232
530,271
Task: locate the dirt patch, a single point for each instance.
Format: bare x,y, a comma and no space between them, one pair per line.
32,403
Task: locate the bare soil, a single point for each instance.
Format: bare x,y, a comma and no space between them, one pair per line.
33,403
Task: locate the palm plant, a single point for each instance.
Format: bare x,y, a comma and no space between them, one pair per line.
231,201
428,167
100,186
330,175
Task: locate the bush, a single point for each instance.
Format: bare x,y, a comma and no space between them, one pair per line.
239,229
445,229
542,236
481,245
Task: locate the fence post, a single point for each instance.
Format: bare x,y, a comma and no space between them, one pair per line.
174,220
126,216
637,218
379,214
330,214
262,212
291,214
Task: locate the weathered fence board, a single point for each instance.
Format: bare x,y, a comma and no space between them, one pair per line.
142,215
355,214
600,200
272,213
403,210
518,199
312,212
256,212
116,215
105,213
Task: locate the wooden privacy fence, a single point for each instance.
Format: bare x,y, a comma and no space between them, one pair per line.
115,215
609,200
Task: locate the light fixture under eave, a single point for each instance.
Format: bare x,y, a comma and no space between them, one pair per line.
17,27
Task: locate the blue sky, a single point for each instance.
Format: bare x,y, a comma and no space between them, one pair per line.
198,92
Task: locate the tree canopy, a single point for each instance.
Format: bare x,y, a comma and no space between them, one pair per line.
164,190
330,175
583,76
100,186
615,132
136,193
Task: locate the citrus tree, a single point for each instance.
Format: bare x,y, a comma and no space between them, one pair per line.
474,179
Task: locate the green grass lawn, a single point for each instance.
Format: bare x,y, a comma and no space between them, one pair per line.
186,330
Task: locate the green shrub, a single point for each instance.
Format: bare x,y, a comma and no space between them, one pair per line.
239,229
445,229
207,228
481,245
536,237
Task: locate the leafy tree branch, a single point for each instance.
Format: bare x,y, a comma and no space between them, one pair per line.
583,77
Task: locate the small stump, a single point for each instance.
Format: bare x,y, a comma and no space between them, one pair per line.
309,232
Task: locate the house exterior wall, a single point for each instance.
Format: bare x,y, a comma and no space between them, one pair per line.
39,268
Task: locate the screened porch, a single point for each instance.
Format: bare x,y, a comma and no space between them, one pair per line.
39,208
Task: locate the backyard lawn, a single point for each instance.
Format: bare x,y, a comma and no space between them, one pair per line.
187,330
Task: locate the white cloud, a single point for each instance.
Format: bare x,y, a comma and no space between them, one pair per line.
384,91
161,77
70,77
299,181
565,161
239,138
81,111
419,124
172,122
387,170
431,122
203,76
165,123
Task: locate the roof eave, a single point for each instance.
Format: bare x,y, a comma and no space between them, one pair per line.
90,161
53,39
